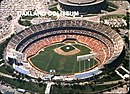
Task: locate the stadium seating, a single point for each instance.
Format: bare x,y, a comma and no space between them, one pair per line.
102,40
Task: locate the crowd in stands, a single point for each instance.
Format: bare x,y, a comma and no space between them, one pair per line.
97,46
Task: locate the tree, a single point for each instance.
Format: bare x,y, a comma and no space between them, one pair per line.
39,79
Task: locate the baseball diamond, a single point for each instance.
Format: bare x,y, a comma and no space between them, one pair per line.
59,61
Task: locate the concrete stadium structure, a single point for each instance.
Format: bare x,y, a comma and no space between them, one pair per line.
83,6
104,41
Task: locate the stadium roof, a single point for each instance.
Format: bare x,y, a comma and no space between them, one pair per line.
87,74
17,68
81,1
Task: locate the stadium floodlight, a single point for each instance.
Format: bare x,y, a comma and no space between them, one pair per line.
86,57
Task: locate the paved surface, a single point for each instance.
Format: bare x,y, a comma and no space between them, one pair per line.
110,82
48,87
120,90
7,88
6,75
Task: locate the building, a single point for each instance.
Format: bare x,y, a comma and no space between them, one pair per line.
83,6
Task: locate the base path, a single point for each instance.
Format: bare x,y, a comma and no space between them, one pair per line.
61,52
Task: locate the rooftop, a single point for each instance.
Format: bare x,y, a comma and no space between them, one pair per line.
81,1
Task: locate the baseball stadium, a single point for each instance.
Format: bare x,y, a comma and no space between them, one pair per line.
72,49
64,47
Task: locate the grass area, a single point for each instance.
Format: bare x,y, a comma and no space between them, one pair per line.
2,47
103,87
53,7
90,15
111,7
127,18
110,77
71,89
28,17
53,17
126,64
67,48
84,15
6,69
111,16
77,89
48,59
24,22
1,62
121,71
39,88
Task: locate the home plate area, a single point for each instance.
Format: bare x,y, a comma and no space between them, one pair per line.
67,49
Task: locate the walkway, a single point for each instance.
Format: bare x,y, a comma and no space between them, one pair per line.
6,75
110,82
48,87
120,74
2,64
125,69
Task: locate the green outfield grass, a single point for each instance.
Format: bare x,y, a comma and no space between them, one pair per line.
49,59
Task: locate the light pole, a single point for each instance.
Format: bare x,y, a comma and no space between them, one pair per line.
84,65
89,62
79,66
